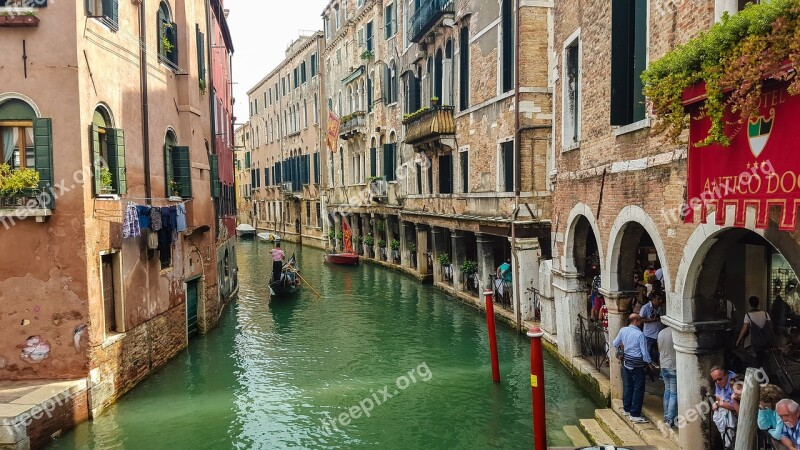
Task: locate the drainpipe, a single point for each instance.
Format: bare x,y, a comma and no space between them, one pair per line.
148,190
517,169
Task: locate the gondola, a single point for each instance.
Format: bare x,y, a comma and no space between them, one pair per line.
290,282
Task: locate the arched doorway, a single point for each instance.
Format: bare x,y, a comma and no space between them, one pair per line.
637,256
585,251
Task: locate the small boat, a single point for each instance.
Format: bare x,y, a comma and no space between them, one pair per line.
245,230
347,259
348,256
289,283
268,237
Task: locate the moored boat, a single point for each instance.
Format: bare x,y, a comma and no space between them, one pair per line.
245,230
268,237
350,259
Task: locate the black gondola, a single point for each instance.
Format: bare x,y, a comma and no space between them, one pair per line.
289,284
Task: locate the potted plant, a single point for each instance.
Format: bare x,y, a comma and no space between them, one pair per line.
105,181
14,182
382,246
367,55
369,241
434,101
468,270
356,244
447,265
381,225
27,19
202,84
174,189
331,234
394,244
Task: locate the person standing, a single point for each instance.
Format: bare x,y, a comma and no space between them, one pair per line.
756,332
789,412
277,261
635,358
666,351
651,318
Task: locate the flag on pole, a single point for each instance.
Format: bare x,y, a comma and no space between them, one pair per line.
333,131
348,237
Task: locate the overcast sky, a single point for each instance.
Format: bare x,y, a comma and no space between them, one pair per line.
262,30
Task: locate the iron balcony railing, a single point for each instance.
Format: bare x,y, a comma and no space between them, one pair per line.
593,342
428,14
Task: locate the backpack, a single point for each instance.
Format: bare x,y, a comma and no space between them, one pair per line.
761,338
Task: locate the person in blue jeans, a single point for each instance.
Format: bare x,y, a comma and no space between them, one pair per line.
666,350
635,358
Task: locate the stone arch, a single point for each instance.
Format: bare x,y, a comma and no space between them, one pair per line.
10,96
581,210
635,221
699,247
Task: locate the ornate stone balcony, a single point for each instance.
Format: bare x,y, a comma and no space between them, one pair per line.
428,16
353,125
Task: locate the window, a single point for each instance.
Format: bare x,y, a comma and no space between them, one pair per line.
178,168
438,80
507,61
369,94
419,177
389,162
316,168
571,85
26,141
106,10
628,60
316,110
464,165
446,174
319,214
390,20
108,155
369,36
303,72
167,37
305,114
313,65
373,161
463,68
391,84
308,214
110,279
506,172
256,105
201,60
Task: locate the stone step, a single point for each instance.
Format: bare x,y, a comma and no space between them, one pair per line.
617,428
664,438
595,433
576,436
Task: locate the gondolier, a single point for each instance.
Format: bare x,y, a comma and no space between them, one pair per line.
277,260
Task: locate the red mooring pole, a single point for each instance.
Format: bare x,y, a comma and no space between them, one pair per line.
492,335
537,389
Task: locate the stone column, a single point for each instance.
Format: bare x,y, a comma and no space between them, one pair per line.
439,247
376,233
337,228
405,255
459,256
698,347
485,262
525,256
547,305
570,300
618,304
389,236
422,249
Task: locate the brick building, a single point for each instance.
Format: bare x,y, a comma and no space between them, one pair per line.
442,156
285,157
79,299
619,193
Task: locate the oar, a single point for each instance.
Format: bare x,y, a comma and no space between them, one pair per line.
309,284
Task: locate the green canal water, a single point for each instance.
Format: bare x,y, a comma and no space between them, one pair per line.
273,371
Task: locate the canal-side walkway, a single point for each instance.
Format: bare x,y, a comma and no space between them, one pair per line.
608,426
32,413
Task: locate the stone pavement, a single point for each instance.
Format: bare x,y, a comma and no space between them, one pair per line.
32,413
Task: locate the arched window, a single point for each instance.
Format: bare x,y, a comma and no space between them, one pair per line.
167,37
350,100
438,79
108,154
305,113
26,142
463,68
178,167
429,86
394,82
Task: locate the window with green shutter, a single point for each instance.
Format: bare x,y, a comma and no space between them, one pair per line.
181,172
106,10
115,139
108,155
213,162
628,60
43,156
389,162
201,58
167,37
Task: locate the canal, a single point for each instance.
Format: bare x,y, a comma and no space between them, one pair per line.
407,367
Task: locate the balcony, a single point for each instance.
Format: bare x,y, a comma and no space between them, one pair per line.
428,16
430,124
353,125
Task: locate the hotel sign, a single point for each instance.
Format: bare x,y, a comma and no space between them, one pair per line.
760,169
